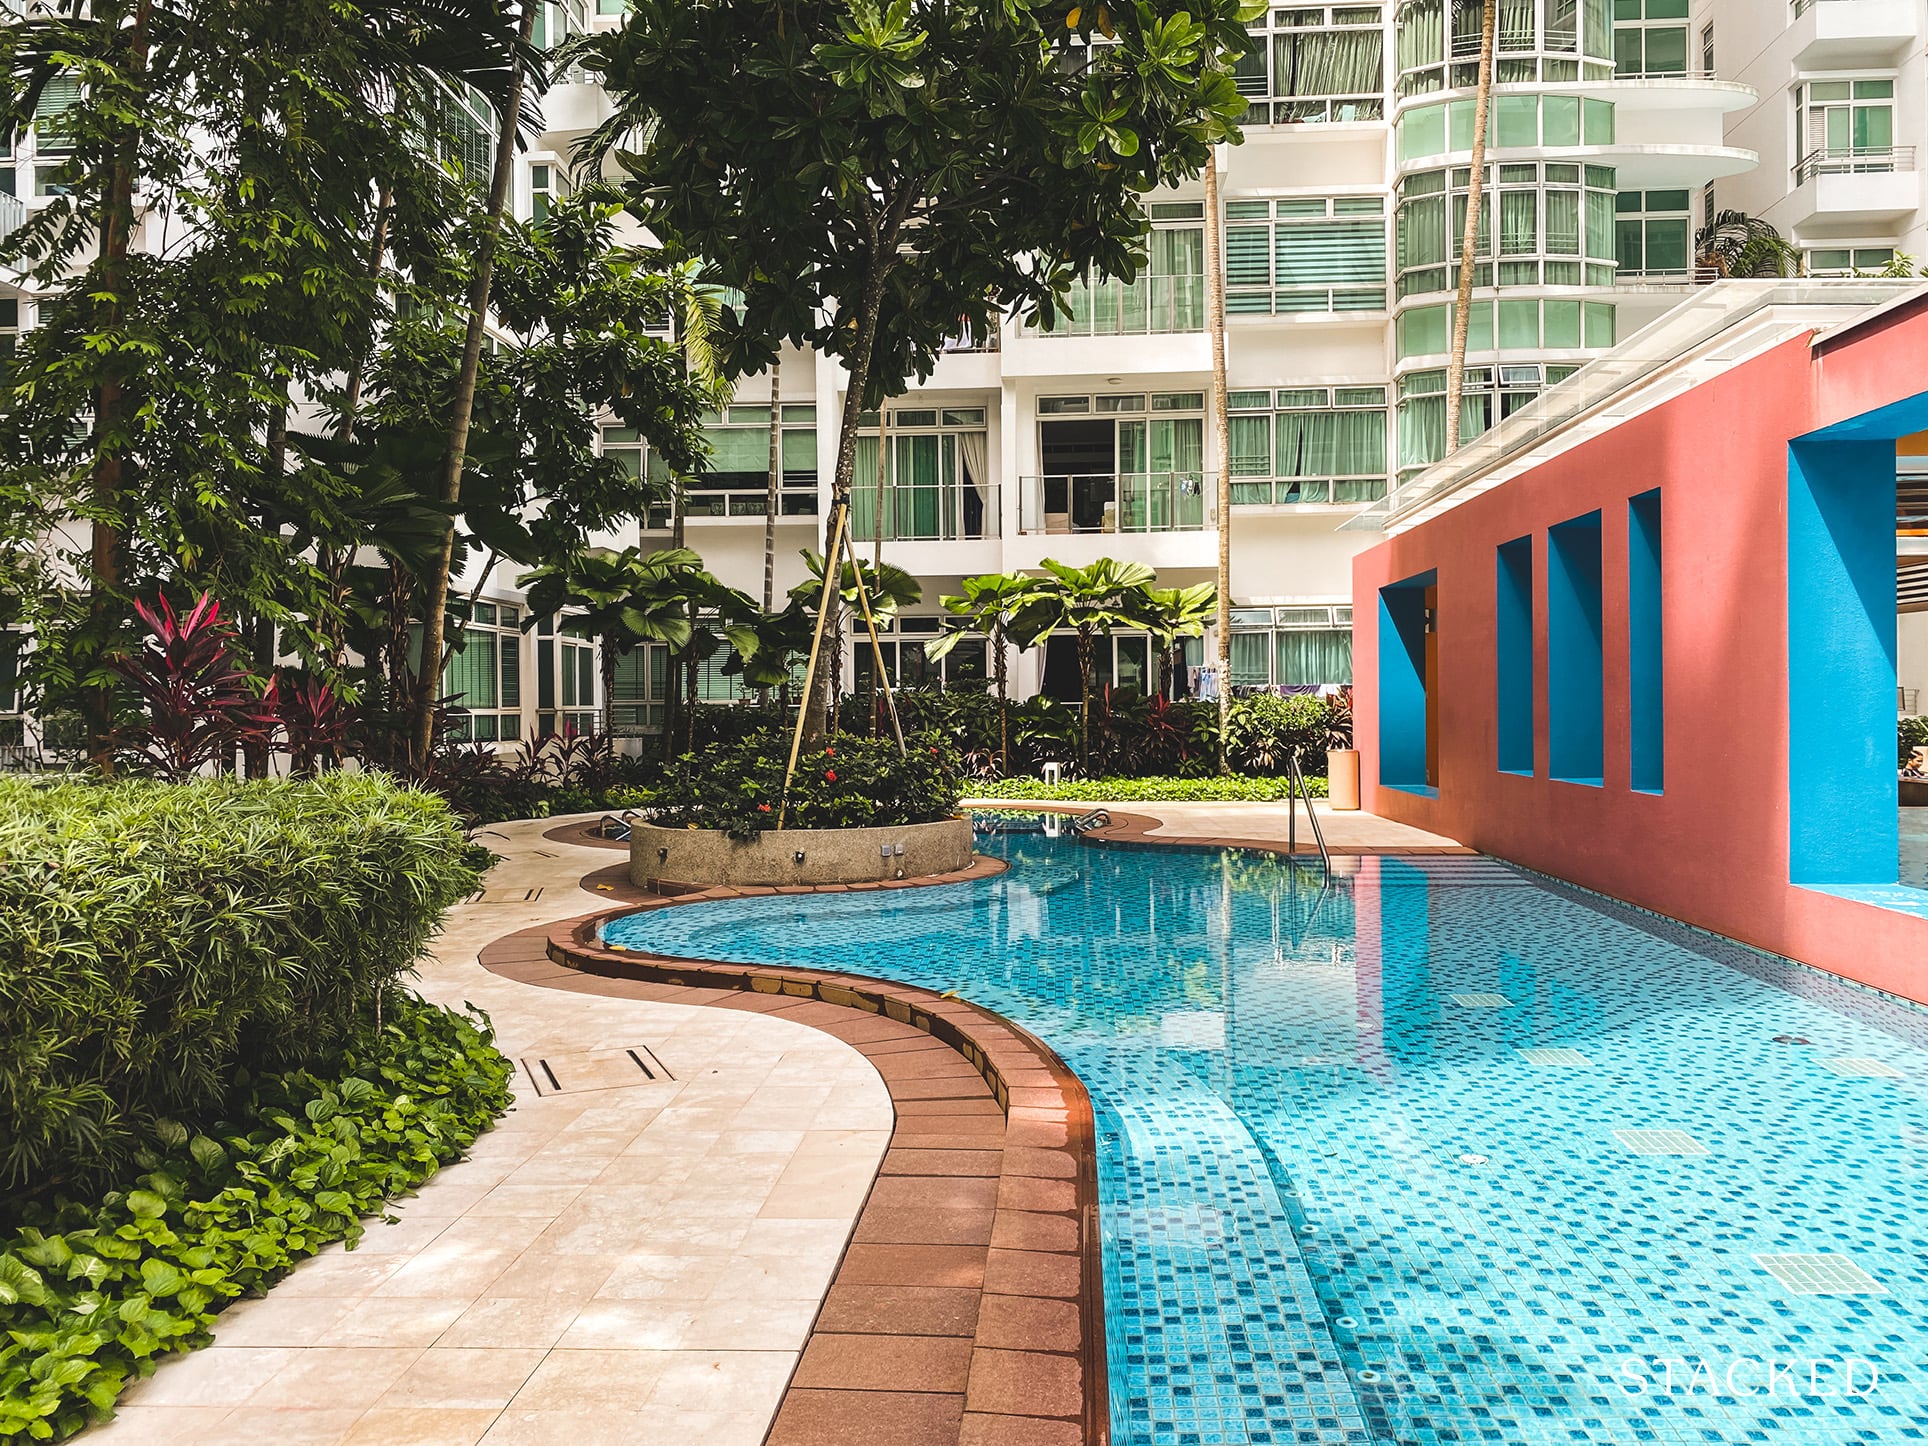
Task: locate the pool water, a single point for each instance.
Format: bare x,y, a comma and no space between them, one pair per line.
1438,1152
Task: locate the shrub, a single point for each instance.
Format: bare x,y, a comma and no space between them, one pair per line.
1264,730
1147,790
93,1290
156,940
850,783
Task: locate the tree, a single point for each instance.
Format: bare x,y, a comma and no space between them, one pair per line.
1221,454
1735,244
1171,614
1089,602
869,173
615,598
257,128
1469,240
986,606
462,411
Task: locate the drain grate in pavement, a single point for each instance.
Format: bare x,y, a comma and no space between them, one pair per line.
579,1071
504,896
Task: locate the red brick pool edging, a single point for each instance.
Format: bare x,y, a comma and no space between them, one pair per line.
968,1305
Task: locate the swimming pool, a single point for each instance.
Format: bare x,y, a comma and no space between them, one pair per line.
1439,1152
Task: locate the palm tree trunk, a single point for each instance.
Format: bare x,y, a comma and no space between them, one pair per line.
608,662
1221,447
1087,683
1003,701
463,411
776,488
1469,241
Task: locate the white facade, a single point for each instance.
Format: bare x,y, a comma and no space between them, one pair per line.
1842,86
1610,137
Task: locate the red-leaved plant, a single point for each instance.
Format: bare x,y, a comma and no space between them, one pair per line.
199,703
315,718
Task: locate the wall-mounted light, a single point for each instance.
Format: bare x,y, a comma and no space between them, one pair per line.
662,855
798,856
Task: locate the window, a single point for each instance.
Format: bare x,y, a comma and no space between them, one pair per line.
1167,296
1849,261
937,484
487,672
565,679
966,666
1846,121
1650,37
1538,40
1519,122
557,20
1315,63
467,126
1541,224
9,329
1318,255
1492,393
1707,50
1508,325
1308,444
544,180
1291,647
1513,656
737,480
1575,680
639,690
1653,233
612,7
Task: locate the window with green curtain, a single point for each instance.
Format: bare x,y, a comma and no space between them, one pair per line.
1422,430
1177,296
1422,331
1599,324
1423,232
1248,268
1345,61
1562,223
1519,216
799,455
1562,113
1520,324
1600,244
472,672
1422,132
1515,24
1422,34
1562,323
863,489
1251,660
1331,253
1312,655
1251,445
1331,444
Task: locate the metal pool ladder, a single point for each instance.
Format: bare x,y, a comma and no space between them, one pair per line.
1097,818
1295,792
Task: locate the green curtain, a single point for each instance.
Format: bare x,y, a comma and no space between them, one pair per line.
1251,663
1312,656
1600,239
1422,33
863,490
1328,444
1518,222
1344,61
916,487
1423,232
1174,286
472,672
1251,456
1563,222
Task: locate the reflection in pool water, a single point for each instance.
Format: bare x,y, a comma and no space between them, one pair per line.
1437,1152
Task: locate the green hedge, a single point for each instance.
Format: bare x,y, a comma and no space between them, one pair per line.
1145,790
93,1291
158,943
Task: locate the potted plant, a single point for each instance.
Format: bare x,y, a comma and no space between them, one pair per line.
1342,759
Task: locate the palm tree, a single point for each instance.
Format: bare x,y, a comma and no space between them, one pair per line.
462,411
1173,613
1221,461
1735,244
622,599
1469,241
986,606
1088,602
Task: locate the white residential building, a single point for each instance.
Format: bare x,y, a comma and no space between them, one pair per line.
1616,125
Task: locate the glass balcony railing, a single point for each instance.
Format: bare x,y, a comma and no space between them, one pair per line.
1853,161
1118,502
1146,307
956,512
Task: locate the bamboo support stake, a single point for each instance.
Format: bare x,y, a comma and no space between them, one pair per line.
833,559
876,647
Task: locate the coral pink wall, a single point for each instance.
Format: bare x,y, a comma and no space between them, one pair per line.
1712,849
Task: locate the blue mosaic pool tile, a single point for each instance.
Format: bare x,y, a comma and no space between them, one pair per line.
1339,1206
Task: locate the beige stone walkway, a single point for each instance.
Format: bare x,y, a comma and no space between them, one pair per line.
1269,822
625,1261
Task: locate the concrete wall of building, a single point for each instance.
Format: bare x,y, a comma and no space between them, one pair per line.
1712,845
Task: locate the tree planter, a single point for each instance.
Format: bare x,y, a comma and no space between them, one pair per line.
1342,779
662,859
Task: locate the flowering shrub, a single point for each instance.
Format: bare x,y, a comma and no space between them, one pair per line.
851,783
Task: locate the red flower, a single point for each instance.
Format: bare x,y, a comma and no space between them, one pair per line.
763,808
830,752
830,774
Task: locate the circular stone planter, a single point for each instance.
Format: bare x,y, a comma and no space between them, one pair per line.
669,860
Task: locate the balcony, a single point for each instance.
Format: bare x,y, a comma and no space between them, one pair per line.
1125,502
1836,34
1859,184
1149,306
938,512
1297,492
